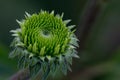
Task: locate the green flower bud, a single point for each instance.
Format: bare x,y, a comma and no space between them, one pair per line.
44,42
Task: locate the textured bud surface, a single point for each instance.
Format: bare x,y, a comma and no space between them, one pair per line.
44,42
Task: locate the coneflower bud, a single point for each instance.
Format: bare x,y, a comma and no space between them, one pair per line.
44,42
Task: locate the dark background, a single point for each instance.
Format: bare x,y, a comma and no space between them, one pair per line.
98,29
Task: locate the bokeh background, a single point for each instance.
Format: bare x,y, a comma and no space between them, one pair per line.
98,29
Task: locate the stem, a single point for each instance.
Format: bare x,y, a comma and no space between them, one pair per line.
86,21
23,74
93,71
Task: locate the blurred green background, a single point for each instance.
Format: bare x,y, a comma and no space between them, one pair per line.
98,29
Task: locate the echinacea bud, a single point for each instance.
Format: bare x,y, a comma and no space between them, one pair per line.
44,43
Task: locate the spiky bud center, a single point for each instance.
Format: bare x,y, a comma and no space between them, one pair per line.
44,34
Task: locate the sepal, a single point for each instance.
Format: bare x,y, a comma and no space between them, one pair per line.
15,52
67,21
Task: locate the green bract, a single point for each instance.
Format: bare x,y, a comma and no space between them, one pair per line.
44,42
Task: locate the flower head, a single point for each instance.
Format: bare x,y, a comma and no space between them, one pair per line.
44,42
